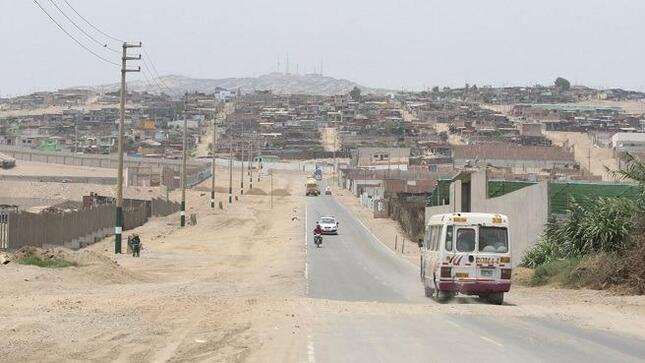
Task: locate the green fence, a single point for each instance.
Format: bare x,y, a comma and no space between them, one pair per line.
497,188
560,193
440,195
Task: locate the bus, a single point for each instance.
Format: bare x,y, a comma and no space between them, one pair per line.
466,253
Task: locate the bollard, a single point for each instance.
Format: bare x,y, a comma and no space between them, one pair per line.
403,246
396,242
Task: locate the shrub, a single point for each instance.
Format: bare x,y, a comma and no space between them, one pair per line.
598,271
557,271
50,262
603,226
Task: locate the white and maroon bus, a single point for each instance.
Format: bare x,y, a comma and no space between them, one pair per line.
466,253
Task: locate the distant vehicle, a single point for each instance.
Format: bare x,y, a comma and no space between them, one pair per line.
311,187
7,162
327,191
466,253
329,225
318,174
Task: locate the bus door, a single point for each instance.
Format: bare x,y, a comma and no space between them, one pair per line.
493,253
463,261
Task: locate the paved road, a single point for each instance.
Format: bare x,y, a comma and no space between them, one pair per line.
355,266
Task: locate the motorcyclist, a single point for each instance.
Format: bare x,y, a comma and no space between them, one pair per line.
318,235
318,229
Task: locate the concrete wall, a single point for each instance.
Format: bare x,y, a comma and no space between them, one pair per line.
97,161
359,185
527,210
532,166
440,209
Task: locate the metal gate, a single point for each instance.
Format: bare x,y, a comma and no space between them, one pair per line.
4,219
5,209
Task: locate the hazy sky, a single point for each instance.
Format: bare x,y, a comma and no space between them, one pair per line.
393,44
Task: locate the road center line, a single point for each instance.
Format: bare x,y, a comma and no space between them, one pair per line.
492,341
306,252
311,352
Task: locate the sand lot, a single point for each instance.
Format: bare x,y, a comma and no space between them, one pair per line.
24,167
198,293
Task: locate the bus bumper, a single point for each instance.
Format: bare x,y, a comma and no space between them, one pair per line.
474,287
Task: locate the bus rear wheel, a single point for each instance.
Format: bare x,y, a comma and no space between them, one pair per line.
496,298
443,296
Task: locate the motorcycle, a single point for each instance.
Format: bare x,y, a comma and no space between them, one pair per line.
318,240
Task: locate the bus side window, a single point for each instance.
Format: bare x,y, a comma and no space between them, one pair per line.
449,238
427,241
435,237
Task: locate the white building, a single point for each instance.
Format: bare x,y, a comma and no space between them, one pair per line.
628,141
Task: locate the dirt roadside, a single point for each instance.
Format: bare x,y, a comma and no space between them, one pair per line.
205,292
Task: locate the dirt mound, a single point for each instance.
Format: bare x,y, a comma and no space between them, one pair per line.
256,191
102,269
205,188
281,193
522,275
90,266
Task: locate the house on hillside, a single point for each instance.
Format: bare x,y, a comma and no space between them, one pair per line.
521,158
628,141
377,158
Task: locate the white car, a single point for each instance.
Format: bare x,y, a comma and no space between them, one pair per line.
329,225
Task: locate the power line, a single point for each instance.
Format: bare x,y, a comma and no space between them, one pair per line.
151,80
153,67
158,79
104,45
72,37
143,72
92,25
145,63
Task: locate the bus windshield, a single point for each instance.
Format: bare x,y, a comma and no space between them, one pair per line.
493,239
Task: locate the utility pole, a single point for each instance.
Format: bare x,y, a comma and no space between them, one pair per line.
230,174
182,213
242,161
242,168
75,135
333,177
271,172
213,159
118,227
259,162
251,165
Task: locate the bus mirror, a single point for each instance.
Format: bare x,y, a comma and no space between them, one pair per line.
420,242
